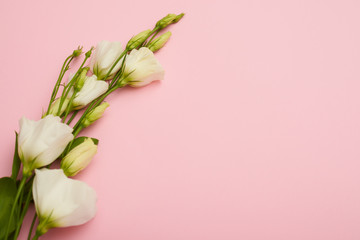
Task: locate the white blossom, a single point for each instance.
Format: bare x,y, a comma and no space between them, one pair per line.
92,89
41,142
61,201
104,57
142,68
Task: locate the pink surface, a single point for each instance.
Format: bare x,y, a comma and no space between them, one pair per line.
253,135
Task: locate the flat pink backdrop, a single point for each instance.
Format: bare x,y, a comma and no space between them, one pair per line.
254,134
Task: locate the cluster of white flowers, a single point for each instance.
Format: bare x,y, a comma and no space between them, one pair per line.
59,200
141,66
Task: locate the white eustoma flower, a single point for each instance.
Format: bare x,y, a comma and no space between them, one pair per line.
142,68
61,201
79,157
104,57
92,89
41,142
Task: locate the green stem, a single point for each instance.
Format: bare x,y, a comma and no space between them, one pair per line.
72,117
21,186
68,87
156,33
32,226
20,203
76,133
26,206
93,105
118,75
116,62
61,75
37,235
68,107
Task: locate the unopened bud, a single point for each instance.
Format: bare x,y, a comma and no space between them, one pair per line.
138,39
81,80
159,42
95,114
165,21
54,109
168,19
77,52
178,17
88,53
79,157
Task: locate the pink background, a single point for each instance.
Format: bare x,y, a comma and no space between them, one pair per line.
253,135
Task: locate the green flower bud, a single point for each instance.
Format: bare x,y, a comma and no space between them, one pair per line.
55,107
81,80
159,42
88,53
95,114
165,21
138,39
178,17
168,19
79,157
77,52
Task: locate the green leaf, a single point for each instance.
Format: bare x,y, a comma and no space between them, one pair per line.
7,197
16,160
95,140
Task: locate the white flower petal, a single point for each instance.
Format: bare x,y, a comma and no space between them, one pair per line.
54,150
41,142
91,90
62,201
104,57
85,205
143,67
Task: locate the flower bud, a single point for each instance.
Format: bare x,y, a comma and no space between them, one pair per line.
95,114
135,41
178,17
159,42
79,157
77,52
168,19
54,109
88,53
81,80
165,21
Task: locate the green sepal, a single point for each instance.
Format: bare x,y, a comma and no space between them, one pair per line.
7,197
79,140
16,160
